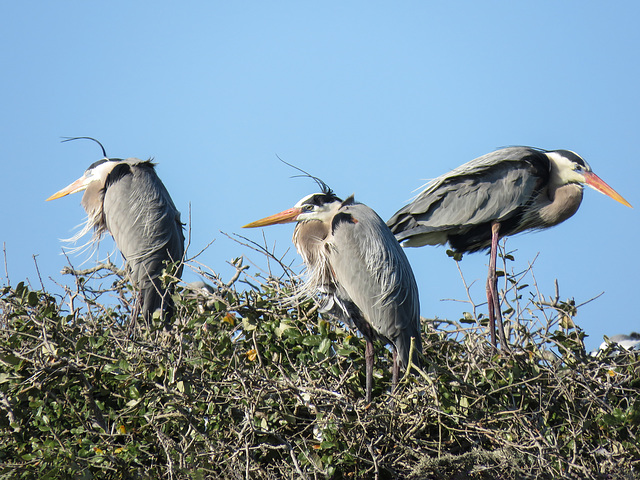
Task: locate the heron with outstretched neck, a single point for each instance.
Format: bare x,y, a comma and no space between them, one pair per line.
505,192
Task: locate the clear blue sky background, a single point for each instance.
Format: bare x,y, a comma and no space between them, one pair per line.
373,97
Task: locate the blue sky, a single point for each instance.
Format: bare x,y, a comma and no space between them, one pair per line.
373,97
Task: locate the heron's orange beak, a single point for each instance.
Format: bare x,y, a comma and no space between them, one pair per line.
282,217
77,186
597,183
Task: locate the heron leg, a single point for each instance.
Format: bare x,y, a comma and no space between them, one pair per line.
495,315
492,319
395,372
368,361
492,282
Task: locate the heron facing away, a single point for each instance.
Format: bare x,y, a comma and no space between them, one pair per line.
505,192
127,199
354,260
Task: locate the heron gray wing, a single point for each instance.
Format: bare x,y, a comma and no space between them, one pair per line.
479,166
496,187
373,272
144,222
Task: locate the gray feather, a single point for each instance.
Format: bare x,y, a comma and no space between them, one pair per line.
146,227
508,186
372,271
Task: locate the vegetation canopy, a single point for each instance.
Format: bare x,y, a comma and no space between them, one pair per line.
246,385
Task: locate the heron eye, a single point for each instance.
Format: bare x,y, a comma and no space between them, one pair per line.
307,207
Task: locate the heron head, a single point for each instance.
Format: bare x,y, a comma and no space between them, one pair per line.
97,172
317,206
569,167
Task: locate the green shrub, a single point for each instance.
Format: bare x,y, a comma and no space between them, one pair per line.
248,386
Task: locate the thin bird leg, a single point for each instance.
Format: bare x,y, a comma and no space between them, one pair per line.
492,321
491,282
368,361
395,371
495,314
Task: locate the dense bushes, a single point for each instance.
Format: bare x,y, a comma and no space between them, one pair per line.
245,386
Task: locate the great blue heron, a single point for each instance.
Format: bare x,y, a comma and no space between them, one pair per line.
502,193
354,260
127,199
628,342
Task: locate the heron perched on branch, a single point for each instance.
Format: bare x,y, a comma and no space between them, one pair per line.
354,260
502,193
628,342
127,199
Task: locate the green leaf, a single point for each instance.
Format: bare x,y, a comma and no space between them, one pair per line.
324,346
80,344
133,392
282,328
611,420
32,299
9,359
248,325
457,256
110,367
312,340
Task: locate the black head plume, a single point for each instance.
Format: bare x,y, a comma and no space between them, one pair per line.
324,188
68,139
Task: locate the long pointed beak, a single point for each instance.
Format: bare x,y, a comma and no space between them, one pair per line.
77,186
597,183
282,217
